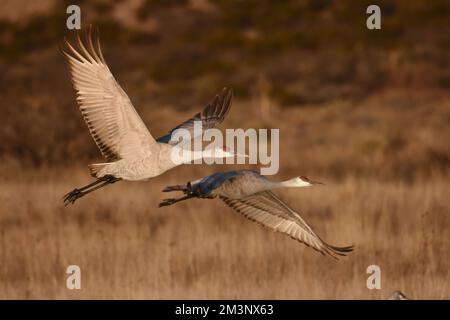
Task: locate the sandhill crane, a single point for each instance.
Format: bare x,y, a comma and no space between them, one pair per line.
249,193
398,295
122,137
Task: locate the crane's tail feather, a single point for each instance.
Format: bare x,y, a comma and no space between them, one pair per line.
95,168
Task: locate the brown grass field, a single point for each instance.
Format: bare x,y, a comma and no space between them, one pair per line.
128,248
368,113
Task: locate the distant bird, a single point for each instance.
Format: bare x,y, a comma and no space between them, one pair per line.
122,137
249,193
398,295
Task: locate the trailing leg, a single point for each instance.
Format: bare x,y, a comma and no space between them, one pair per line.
168,202
77,193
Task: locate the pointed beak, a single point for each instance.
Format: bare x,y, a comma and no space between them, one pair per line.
316,182
241,155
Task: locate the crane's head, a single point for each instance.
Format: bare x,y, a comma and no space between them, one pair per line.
303,181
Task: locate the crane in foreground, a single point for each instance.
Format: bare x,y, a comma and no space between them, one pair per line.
249,193
130,151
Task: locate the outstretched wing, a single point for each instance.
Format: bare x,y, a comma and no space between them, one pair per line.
266,209
109,114
212,115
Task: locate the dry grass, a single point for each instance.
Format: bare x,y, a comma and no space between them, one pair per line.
367,113
128,248
385,161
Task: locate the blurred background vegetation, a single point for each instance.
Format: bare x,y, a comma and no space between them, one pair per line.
314,55
366,112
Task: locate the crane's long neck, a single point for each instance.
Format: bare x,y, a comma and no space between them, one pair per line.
291,183
185,156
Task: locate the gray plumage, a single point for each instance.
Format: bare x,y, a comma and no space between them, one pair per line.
248,193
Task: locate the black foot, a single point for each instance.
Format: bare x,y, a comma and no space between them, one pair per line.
167,202
72,196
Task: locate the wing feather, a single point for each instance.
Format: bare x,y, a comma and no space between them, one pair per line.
212,115
112,120
268,210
